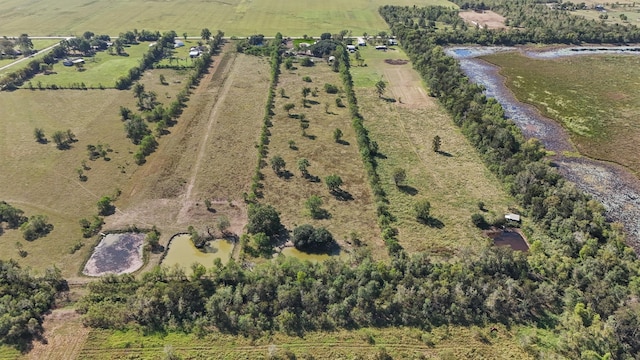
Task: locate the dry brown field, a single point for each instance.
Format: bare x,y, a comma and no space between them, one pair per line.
288,195
453,181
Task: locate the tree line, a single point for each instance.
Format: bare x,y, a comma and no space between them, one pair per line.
24,298
528,22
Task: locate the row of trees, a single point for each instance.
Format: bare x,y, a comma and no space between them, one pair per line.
368,152
263,145
135,126
295,297
575,254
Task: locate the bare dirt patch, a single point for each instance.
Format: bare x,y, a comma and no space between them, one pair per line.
486,19
64,336
406,87
396,61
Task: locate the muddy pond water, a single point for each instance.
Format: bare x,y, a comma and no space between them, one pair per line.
509,237
300,255
183,253
116,254
612,185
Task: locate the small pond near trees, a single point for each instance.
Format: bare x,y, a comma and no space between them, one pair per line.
183,253
116,254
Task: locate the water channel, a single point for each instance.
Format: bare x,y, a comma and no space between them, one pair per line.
613,185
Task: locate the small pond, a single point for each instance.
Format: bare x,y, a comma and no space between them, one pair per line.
183,253
116,254
509,237
313,257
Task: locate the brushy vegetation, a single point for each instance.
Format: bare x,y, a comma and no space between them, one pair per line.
24,299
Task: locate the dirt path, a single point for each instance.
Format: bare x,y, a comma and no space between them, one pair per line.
213,117
406,87
65,336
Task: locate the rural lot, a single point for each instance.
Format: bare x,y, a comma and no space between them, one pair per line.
318,180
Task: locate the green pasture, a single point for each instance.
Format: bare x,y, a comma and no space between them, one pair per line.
180,55
101,69
234,17
594,97
373,67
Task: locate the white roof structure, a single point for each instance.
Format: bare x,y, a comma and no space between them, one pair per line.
514,217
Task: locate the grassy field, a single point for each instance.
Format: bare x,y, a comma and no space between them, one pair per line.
326,157
454,181
49,183
234,17
47,176
599,110
101,69
613,12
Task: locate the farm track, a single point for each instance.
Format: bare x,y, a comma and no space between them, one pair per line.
227,81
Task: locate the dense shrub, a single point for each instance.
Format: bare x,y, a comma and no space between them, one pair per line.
308,238
263,219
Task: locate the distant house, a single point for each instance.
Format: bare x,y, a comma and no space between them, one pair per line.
361,42
194,52
78,61
351,48
381,47
392,42
178,43
331,59
513,217
67,62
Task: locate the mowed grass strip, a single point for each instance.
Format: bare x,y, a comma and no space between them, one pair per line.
234,17
600,109
326,157
102,69
453,181
446,342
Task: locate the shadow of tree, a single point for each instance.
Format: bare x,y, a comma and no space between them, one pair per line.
432,222
342,195
409,190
